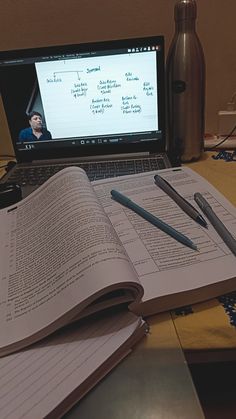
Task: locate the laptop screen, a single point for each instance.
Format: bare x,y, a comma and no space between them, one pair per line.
83,98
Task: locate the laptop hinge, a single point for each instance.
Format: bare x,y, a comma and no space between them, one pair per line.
93,158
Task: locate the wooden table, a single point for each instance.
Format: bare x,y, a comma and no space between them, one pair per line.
206,334
154,381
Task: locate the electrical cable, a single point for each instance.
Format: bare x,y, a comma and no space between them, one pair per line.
230,107
8,165
223,140
7,156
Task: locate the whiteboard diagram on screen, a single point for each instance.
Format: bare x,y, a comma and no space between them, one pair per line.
99,95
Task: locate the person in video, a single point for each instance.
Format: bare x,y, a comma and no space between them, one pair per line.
35,132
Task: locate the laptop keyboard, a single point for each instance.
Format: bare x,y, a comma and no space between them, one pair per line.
36,175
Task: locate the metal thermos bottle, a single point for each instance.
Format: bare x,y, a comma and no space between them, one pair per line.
185,74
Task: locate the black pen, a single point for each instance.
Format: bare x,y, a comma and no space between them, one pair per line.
216,222
183,204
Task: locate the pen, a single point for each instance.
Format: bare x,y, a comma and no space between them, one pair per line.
183,204
215,221
122,199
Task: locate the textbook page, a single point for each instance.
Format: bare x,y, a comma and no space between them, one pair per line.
58,253
164,266
54,374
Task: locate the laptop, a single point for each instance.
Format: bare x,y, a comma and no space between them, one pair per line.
100,106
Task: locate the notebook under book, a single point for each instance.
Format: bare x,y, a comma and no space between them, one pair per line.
102,107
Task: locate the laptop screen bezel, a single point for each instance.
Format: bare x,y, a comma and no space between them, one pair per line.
153,146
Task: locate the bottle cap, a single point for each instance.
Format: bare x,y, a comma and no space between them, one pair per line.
185,10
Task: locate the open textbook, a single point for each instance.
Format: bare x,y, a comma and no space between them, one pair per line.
78,266
69,250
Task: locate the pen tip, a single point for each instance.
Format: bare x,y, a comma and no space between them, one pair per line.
201,221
